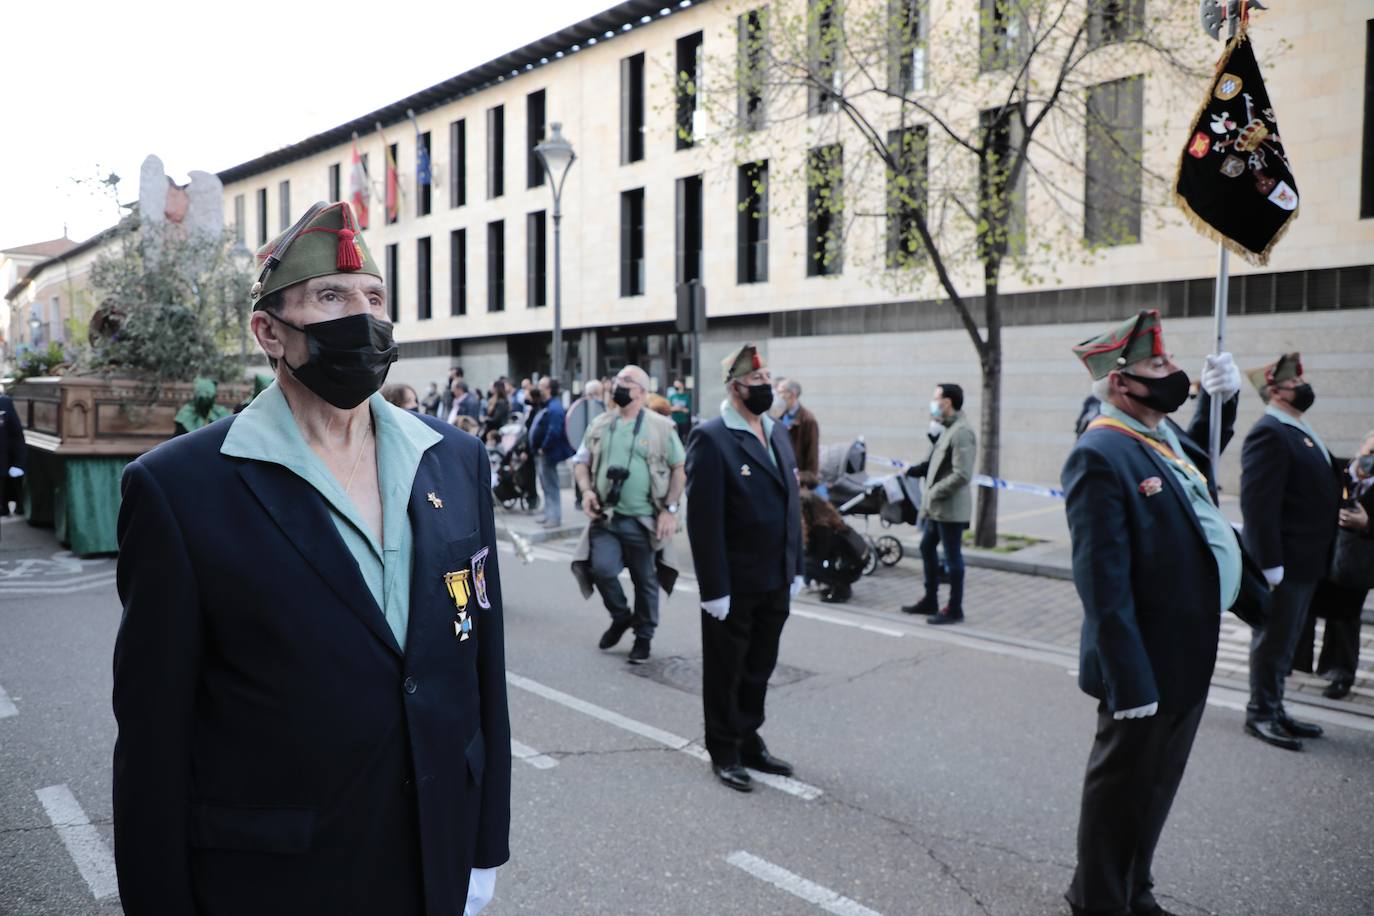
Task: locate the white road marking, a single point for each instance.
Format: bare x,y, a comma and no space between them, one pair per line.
653,733
59,587
528,754
83,842
826,618
7,707
798,886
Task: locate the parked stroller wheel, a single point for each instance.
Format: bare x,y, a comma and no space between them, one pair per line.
889,550
871,562
509,503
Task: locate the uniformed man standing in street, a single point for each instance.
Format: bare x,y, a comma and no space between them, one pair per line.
744,523
309,677
1290,497
1155,563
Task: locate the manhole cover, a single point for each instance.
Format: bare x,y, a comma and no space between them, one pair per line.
685,673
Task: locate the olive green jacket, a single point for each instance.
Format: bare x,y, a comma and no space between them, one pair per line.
948,495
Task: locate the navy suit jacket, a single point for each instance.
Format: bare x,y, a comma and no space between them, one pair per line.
1290,495
278,752
1144,571
745,528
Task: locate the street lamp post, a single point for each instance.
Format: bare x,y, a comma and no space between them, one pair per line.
557,156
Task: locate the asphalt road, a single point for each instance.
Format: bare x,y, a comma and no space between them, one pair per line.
938,772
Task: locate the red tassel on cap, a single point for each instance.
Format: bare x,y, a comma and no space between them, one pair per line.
349,257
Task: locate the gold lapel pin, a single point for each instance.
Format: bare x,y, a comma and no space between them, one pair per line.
435,501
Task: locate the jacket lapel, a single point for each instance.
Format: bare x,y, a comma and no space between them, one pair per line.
303,517
1166,474
430,546
755,450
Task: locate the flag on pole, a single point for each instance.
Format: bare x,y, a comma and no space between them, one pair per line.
1235,182
423,174
359,191
393,185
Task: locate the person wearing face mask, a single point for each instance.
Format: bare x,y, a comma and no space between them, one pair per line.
1341,595
1290,494
629,470
744,523
311,650
1155,563
946,504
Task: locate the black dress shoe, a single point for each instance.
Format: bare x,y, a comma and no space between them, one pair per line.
765,762
639,653
734,776
926,605
946,616
612,635
1337,690
1270,733
1297,729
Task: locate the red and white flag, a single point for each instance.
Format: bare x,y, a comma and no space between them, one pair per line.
359,192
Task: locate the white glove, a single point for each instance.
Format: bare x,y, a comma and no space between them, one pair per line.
481,887
1139,712
935,429
16,472
718,608
1220,377
1273,576
796,588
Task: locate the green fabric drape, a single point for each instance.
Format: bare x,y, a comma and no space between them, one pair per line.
89,500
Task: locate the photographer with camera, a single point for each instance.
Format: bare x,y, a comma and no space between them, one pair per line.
630,472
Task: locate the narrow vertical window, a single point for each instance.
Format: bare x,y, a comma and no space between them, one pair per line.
536,260
458,163
458,272
825,211
496,152
999,33
689,235
906,193
284,205
534,134
393,282
335,183
423,290
752,245
393,162
823,40
240,218
752,66
496,266
906,43
423,176
1112,21
632,242
1002,205
632,109
262,216
1112,170
689,111
1367,150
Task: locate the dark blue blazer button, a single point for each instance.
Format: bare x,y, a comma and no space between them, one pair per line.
410,685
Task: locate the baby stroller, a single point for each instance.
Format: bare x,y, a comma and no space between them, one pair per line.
513,467
853,492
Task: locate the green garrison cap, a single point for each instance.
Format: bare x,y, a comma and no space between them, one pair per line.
1286,368
741,362
1131,341
324,241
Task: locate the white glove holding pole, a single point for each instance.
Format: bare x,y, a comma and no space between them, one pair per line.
16,472
718,608
1273,575
1220,377
796,588
1137,712
481,888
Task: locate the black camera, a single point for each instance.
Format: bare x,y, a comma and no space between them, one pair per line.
617,476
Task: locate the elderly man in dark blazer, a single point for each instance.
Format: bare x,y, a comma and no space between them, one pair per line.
1290,495
309,676
744,523
13,453
1155,563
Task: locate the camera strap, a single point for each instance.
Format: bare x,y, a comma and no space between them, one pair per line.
634,435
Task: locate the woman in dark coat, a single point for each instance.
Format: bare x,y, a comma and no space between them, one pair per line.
498,408
834,552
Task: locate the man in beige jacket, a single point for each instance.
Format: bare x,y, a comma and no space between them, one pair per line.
946,504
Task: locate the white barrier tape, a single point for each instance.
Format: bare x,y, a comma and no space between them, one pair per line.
983,480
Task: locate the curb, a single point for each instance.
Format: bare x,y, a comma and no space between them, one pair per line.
987,559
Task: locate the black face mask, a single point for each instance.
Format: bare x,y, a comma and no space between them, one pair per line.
621,396
759,398
349,358
1303,397
1165,394
1366,465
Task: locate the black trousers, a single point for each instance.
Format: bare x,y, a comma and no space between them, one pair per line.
1272,648
1134,770
1340,654
738,655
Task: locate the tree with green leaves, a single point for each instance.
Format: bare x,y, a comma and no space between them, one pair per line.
929,124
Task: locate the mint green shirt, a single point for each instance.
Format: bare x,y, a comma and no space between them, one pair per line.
732,419
1221,537
267,431
1300,425
621,450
